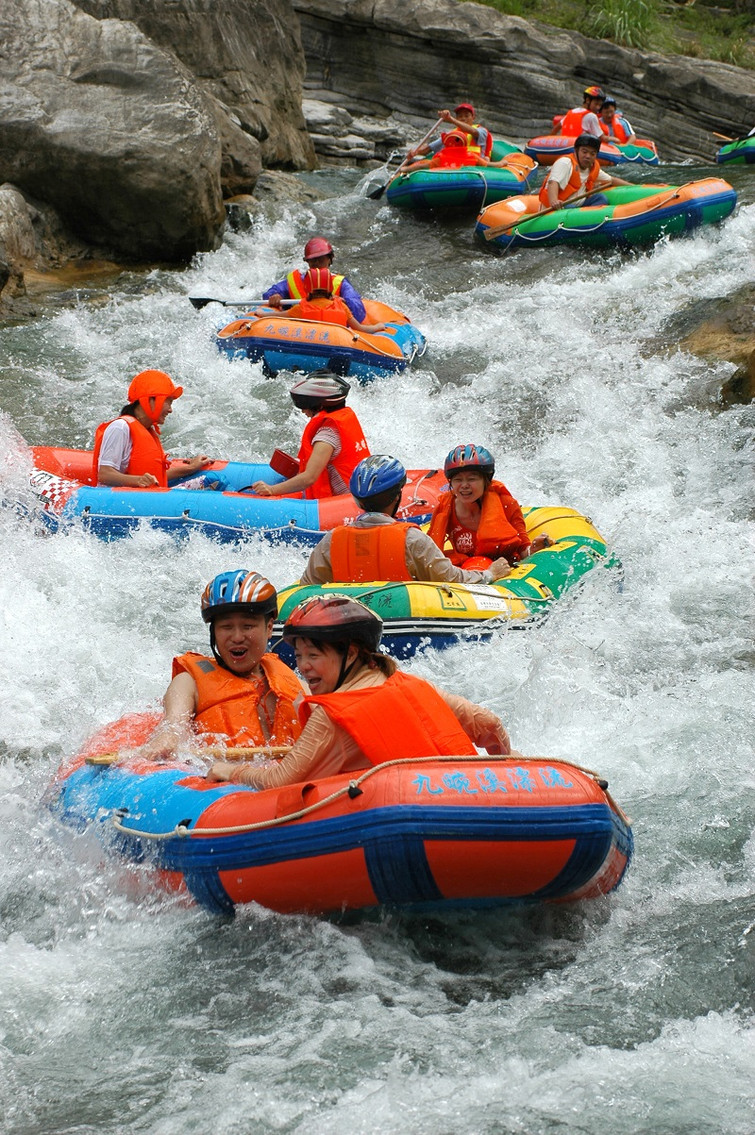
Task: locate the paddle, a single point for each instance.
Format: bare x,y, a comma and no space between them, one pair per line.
499,230
374,194
202,301
234,753
723,137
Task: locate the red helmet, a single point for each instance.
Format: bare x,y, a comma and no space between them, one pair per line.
465,106
316,247
318,280
594,93
334,618
153,384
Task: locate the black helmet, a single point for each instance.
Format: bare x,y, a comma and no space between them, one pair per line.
587,140
320,390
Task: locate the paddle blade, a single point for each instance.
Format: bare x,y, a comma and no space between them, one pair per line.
199,302
376,194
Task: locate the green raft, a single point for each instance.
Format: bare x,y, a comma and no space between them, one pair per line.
417,614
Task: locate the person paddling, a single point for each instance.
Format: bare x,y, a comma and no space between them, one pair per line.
128,451
318,253
362,709
476,139
322,304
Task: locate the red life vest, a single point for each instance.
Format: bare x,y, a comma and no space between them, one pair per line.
228,705
501,531
617,128
297,288
323,310
360,554
574,184
405,717
147,453
571,123
353,448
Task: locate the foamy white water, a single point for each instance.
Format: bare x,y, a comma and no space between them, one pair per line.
125,1011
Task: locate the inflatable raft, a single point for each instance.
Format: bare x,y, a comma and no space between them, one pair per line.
547,148
739,152
417,614
218,507
427,834
635,215
281,342
464,187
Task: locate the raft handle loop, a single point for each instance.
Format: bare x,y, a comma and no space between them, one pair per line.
352,789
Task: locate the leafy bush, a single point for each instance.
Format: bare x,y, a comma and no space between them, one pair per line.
629,22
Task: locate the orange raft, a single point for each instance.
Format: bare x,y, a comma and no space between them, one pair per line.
422,834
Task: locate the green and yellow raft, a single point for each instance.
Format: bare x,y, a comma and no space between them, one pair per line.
416,614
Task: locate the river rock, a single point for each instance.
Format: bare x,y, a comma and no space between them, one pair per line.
110,130
412,57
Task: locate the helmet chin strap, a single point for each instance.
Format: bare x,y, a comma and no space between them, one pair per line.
345,670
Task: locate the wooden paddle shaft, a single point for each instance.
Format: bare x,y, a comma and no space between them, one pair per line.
217,752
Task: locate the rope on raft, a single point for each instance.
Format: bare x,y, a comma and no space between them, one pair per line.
352,789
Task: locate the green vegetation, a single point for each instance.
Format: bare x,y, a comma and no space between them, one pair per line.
724,30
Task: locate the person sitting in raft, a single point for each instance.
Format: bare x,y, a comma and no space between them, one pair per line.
584,119
478,515
614,125
318,253
572,178
332,445
127,449
242,695
377,546
362,710
477,139
322,304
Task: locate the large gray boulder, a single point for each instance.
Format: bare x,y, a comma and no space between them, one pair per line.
412,57
108,128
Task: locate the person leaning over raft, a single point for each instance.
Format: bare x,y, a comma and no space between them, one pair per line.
332,444
242,695
323,305
377,546
363,710
575,175
479,515
128,451
478,139
318,253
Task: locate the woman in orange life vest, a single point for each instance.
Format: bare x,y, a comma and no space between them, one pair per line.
479,515
241,696
332,445
363,710
577,175
615,126
128,450
323,305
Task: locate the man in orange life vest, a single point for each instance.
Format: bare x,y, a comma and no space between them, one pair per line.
242,696
363,710
478,139
577,175
318,253
615,126
332,445
323,305
584,119
377,546
128,451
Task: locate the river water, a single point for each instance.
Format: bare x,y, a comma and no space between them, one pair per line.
122,1010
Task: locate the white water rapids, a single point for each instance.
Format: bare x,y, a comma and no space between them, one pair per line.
122,1010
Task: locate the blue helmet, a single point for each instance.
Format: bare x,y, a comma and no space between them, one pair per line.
474,457
246,592
376,475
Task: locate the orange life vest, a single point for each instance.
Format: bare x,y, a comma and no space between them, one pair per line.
574,184
501,531
571,123
379,552
297,287
324,310
228,704
405,717
617,128
147,453
353,448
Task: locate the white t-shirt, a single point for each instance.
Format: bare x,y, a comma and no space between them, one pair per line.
591,125
561,173
116,446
